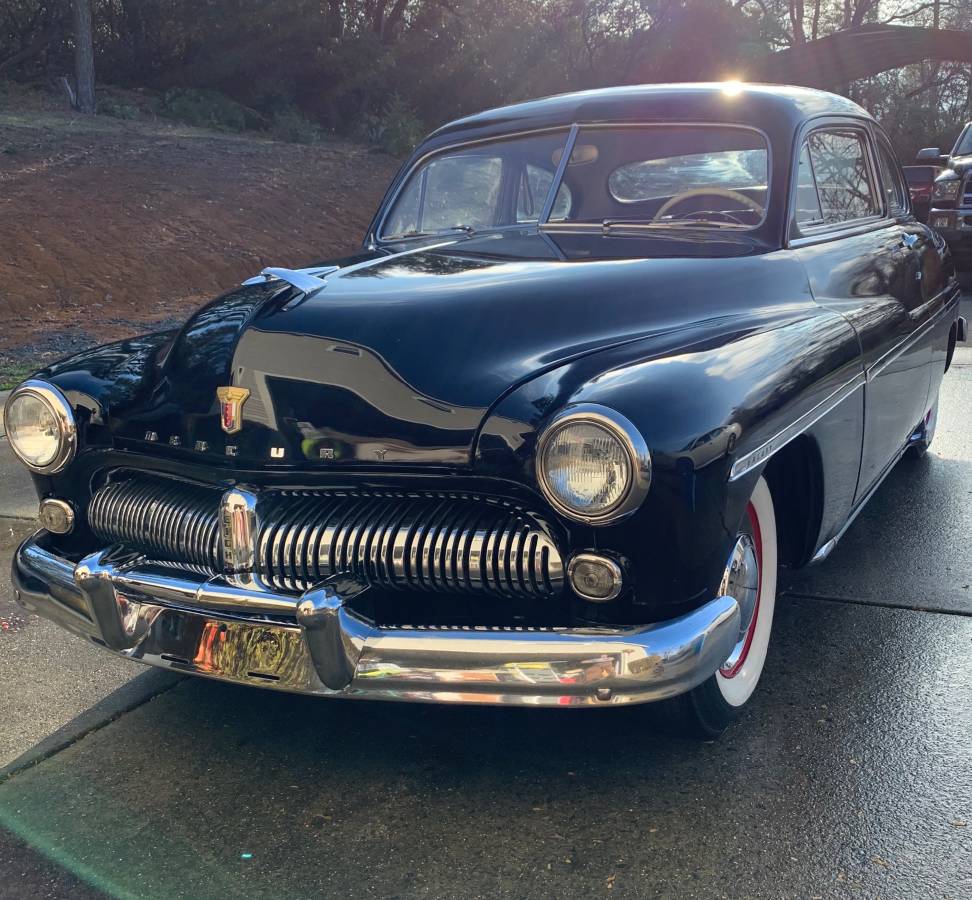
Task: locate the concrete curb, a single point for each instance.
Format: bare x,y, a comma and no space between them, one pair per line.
18,499
128,697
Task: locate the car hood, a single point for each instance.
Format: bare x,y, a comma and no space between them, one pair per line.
398,358
961,164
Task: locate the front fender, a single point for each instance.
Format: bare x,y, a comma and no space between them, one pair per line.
717,397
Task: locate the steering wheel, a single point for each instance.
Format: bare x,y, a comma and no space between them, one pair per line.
723,193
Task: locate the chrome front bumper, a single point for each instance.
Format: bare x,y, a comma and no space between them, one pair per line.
315,644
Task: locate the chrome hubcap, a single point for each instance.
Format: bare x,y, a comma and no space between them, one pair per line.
741,582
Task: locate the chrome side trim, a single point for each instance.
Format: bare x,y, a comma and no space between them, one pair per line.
758,456
880,364
746,463
327,649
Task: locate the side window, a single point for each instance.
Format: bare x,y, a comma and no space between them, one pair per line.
895,193
808,210
532,192
844,187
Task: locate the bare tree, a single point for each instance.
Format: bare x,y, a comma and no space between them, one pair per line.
84,56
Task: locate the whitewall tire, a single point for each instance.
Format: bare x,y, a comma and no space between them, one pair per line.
750,577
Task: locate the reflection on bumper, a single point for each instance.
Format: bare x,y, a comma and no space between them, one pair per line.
316,644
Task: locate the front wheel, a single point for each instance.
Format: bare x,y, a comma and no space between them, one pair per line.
750,577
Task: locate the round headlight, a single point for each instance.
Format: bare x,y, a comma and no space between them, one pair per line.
593,465
40,426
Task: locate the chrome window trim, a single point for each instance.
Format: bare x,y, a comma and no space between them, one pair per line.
550,200
881,140
66,424
756,457
819,234
639,461
860,226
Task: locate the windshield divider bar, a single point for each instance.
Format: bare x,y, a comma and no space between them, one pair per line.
548,204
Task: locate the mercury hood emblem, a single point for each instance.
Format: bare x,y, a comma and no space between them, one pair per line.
231,400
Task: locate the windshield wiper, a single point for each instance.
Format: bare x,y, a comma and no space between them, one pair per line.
703,223
607,224
406,235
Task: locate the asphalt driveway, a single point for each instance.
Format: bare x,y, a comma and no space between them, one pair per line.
851,776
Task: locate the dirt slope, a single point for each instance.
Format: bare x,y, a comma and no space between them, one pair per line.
110,228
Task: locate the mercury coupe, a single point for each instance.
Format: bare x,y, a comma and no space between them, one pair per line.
604,364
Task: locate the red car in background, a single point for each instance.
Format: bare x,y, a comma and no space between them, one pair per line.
921,183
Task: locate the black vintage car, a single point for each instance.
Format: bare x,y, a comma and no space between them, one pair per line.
951,203
603,364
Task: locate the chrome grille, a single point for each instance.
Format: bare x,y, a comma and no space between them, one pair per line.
161,517
454,544
416,541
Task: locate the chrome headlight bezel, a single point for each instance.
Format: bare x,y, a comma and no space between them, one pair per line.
631,440
63,415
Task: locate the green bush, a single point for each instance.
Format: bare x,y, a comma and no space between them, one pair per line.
290,125
116,108
204,108
395,128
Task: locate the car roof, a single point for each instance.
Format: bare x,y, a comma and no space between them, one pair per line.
760,105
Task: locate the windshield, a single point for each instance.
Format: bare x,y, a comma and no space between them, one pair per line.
704,176
963,146
480,187
686,175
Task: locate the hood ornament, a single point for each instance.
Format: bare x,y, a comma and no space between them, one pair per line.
306,280
231,400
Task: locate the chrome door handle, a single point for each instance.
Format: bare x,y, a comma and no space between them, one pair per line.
909,241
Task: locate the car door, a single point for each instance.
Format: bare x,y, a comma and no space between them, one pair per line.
930,278
863,259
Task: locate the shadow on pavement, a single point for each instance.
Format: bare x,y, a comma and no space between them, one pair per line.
850,776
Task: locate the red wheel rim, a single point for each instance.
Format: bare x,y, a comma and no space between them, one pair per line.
751,631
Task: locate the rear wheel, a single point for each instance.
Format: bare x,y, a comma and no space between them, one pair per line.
750,577
924,434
